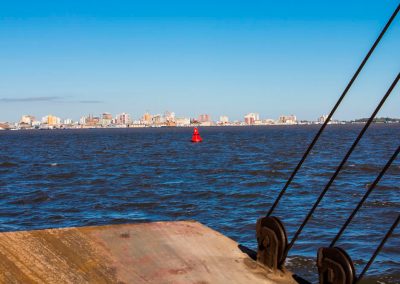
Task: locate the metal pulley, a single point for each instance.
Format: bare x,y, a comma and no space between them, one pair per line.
272,242
335,266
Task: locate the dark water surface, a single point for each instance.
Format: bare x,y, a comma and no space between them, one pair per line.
92,177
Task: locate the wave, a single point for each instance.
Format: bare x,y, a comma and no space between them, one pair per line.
37,197
8,165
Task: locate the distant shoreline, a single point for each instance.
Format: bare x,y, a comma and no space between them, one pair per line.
81,127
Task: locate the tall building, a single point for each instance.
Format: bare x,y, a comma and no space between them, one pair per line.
123,119
204,118
27,119
51,120
169,116
106,115
157,119
251,118
106,119
92,120
82,120
146,118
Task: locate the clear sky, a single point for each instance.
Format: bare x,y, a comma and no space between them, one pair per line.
72,58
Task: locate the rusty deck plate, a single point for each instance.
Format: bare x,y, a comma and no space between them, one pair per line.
160,252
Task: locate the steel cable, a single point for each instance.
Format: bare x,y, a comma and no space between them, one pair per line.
314,141
353,146
370,189
379,248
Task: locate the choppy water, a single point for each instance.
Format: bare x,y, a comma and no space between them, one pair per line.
93,177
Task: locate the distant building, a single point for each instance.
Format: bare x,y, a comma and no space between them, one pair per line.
27,119
288,119
106,119
251,118
204,118
36,124
146,118
169,116
82,120
268,121
92,120
51,120
322,118
206,123
223,119
194,121
157,119
123,119
106,115
182,121
4,126
68,121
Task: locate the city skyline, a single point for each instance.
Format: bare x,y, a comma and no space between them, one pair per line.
147,118
225,57
169,119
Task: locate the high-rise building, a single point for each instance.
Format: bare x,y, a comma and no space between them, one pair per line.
123,119
51,120
27,119
204,118
146,118
251,118
82,120
90,120
157,119
169,116
106,119
107,116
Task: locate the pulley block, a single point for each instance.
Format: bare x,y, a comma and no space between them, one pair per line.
335,266
272,242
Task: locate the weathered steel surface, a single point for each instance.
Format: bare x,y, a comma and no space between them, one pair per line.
161,252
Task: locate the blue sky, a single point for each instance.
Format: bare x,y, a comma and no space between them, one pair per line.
71,58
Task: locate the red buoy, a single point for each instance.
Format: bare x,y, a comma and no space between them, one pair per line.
196,136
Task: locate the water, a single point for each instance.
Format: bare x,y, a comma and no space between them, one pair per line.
93,177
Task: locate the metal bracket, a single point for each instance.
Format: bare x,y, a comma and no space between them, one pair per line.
272,242
335,266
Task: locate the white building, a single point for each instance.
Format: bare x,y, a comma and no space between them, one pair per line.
223,119
182,121
322,119
82,120
27,119
169,116
36,123
157,119
123,119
